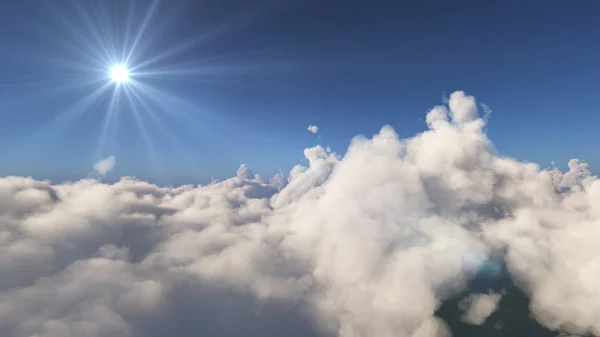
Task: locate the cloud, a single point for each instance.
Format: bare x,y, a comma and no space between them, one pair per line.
487,112
368,244
243,172
313,128
104,166
478,307
463,108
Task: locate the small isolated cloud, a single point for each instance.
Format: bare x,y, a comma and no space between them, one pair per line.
478,307
313,128
104,166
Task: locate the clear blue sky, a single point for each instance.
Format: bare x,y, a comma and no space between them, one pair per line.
258,73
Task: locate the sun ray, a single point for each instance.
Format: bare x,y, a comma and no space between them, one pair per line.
73,49
202,68
182,47
148,143
203,75
88,21
84,69
80,106
47,89
203,38
66,80
64,120
107,27
65,88
177,145
183,112
172,105
110,117
212,70
147,108
84,46
141,31
130,17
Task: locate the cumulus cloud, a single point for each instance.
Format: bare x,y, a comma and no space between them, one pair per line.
243,172
368,244
313,128
279,180
104,166
478,307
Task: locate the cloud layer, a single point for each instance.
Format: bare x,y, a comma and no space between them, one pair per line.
364,245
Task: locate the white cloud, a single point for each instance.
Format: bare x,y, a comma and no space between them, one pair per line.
104,166
463,108
313,128
243,172
279,180
364,245
478,307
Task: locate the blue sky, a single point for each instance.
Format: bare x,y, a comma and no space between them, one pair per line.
256,75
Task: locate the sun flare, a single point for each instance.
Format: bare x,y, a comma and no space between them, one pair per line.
119,74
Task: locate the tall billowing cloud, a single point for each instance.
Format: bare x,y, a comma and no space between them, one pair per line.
364,245
313,128
104,166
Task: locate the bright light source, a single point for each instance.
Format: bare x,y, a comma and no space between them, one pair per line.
119,74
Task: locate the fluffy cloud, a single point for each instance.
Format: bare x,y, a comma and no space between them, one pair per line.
478,307
243,172
104,166
364,245
313,128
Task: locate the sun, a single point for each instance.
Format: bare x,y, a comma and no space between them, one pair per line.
119,73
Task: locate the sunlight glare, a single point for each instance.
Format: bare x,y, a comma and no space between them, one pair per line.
119,74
